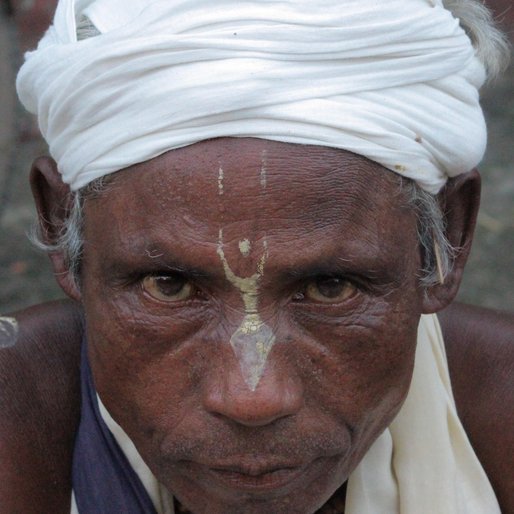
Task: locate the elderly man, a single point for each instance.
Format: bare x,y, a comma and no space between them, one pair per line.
257,208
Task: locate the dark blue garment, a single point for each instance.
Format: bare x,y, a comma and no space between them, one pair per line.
103,480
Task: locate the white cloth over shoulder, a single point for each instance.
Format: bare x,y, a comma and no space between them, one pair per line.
422,464
395,81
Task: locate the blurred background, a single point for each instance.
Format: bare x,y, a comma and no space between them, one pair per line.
25,274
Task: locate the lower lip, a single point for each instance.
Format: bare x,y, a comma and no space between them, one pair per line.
277,479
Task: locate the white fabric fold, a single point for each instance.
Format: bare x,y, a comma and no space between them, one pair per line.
423,463
395,81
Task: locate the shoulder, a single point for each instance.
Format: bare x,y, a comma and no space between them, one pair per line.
39,406
480,348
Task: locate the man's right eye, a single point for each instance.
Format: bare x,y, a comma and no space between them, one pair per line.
168,288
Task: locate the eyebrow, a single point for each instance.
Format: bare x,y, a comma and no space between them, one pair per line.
131,262
336,266
188,271
153,257
174,265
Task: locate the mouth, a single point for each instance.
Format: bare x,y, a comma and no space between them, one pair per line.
265,477
273,478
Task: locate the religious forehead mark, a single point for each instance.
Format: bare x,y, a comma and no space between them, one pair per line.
253,339
245,247
8,332
264,169
220,180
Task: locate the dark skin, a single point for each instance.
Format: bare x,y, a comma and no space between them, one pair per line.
375,313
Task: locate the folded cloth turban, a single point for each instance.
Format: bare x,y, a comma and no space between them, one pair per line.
395,81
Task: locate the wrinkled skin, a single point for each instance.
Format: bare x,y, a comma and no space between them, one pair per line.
40,396
339,369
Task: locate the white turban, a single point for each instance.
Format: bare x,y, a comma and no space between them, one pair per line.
395,81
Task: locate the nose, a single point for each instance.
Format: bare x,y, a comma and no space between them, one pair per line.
278,394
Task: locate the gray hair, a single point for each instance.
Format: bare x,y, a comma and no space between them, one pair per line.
492,49
70,238
491,45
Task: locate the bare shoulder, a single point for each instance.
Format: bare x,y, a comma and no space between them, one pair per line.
480,347
39,406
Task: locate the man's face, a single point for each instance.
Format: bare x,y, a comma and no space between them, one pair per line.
252,311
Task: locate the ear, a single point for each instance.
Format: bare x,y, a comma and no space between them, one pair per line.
53,200
460,200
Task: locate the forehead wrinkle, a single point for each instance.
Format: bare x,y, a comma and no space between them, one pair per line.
326,188
358,249
346,210
176,177
345,256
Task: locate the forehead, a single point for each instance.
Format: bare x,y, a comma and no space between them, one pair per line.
235,179
254,189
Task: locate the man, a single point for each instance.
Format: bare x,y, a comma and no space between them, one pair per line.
242,207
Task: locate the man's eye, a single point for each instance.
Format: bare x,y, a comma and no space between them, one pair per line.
168,288
329,290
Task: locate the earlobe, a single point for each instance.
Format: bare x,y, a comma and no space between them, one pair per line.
53,200
460,200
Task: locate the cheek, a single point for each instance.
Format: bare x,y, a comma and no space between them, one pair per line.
144,366
362,370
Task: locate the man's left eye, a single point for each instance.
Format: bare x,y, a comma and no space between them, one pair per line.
329,290
168,288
